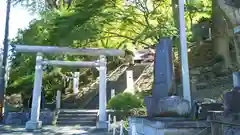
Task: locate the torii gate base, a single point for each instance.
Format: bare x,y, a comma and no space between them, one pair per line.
33,125
102,125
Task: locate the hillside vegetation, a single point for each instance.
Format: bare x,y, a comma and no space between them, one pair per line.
119,24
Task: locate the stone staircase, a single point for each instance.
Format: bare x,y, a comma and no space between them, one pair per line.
117,83
145,80
92,101
77,117
197,58
90,91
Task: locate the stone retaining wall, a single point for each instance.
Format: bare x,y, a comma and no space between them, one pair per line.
20,118
225,124
168,126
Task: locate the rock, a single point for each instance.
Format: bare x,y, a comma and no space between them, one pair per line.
195,72
194,78
208,69
201,85
217,66
209,75
201,78
193,85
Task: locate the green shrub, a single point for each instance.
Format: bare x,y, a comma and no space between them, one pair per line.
138,112
125,101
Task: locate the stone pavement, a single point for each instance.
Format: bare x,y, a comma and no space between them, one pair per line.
52,130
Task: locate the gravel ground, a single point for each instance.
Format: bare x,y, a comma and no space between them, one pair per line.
51,130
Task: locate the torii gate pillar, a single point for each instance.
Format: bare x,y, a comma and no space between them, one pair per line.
34,122
102,122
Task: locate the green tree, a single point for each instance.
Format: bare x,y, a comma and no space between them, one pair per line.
95,23
44,5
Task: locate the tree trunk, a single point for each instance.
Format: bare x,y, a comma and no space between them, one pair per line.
233,16
177,69
232,13
24,100
175,10
220,38
177,66
236,42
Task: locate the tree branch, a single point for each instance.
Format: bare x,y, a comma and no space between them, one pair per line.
123,36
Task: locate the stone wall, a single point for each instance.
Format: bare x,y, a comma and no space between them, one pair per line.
231,130
20,118
167,126
182,126
226,124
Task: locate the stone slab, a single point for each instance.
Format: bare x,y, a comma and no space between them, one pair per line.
163,69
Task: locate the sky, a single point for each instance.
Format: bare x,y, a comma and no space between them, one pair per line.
19,19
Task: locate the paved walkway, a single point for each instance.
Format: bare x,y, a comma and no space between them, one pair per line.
51,130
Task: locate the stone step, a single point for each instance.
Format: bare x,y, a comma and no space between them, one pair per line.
76,122
76,115
89,118
78,111
70,105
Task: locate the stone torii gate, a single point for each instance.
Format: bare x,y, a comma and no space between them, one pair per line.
34,122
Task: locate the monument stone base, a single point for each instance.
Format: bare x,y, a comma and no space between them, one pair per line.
173,106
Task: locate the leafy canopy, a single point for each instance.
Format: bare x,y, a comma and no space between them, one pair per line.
88,23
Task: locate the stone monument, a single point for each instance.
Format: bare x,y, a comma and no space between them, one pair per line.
231,98
160,104
231,107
